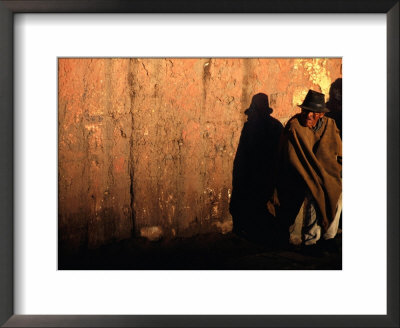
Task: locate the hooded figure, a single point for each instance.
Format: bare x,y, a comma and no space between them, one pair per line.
309,180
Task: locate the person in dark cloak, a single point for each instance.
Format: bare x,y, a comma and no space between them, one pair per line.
334,103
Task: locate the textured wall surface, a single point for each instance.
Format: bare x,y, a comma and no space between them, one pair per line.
146,146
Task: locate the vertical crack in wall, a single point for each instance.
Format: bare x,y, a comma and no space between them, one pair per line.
132,96
206,78
159,124
109,222
247,70
204,211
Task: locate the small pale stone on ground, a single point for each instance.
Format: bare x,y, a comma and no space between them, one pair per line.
225,226
151,233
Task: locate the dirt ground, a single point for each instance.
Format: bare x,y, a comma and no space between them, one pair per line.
204,252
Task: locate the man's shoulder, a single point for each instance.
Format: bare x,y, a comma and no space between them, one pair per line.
330,122
330,125
293,123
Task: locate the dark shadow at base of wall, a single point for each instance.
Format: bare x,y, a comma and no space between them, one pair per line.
201,252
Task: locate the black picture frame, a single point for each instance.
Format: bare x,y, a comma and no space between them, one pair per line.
10,7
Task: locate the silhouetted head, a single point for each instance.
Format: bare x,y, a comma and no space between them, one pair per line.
312,109
335,96
335,92
259,104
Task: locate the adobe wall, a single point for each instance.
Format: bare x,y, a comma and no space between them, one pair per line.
146,146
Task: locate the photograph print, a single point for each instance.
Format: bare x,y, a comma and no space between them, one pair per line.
200,164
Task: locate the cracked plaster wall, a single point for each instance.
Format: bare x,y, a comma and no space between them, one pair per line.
146,146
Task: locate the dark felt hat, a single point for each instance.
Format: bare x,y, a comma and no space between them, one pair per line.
314,102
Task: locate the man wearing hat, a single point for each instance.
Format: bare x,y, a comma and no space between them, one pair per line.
309,180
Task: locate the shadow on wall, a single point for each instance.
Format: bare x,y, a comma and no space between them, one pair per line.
254,171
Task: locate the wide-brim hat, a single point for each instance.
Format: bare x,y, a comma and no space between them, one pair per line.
314,102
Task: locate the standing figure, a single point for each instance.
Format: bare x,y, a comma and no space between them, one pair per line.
309,180
335,103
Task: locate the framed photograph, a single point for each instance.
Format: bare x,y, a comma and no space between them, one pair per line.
133,137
